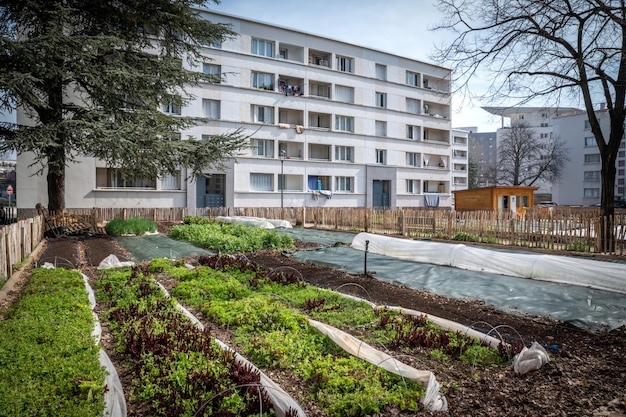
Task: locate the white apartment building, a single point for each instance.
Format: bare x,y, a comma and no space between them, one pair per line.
581,182
540,120
331,124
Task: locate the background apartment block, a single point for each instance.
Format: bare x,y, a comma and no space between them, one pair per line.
331,124
541,121
581,181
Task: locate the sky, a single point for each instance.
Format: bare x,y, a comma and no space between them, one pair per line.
401,27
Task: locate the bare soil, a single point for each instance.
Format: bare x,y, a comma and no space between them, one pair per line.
586,375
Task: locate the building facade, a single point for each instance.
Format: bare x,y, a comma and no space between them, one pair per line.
330,124
541,121
581,182
482,152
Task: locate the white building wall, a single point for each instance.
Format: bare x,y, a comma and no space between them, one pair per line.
434,171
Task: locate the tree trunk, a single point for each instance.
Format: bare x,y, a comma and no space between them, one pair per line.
56,181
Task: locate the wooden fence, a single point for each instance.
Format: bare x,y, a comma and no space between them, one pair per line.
17,241
558,228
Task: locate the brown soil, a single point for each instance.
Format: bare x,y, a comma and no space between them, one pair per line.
586,377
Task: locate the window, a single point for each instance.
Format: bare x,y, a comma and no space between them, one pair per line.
214,71
592,158
381,128
587,125
171,181
544,124
592,176
321,121
283,53
211,108
544,115
344,64
119,178
345,94
381,72
263,148
426,135
413,78
590,141
591,193
344,153
263,114
412,105
344,123
262,47
171,107
544,135
381,156
381,100
413,159
319,90
620,172
344,184
412,186
620,181
262,80
412,132
620,163
261,182
621,154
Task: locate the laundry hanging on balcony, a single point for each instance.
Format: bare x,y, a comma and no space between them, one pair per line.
290,90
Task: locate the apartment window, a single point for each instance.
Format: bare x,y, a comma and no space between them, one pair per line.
381,128
412,186
592,176
413,78
345,94
344,184
544,115
344,153
283,53
344,64
381,72
412,105
620,163
171,107
344,123
620,181
544,124
262,80
544,135
118,178
213,71
319,120
621,154
261,182
592,158
620,172
587,125
591,193
263,148
263,114
171,181
381,100
211,108
262,47
412,132
590,141
413,159
381,156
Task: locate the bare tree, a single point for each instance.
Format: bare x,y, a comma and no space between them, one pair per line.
525,159
556,49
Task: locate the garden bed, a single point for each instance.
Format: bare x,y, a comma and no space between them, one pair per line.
585,376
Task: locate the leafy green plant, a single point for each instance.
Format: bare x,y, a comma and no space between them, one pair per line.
578,246
229,238
48,359
131,226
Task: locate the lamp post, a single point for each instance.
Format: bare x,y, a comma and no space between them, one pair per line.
282,176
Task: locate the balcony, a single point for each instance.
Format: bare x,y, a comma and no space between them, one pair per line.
293,150
319,89
436,110
320,58
290,117
319,152
436,84
319,121
290,86
435,161
437,135
290,52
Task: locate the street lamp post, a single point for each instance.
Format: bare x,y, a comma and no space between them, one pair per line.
282,177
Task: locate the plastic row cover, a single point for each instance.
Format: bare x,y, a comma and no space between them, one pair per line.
574,271
255,222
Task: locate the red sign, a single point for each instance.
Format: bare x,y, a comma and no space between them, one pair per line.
9,190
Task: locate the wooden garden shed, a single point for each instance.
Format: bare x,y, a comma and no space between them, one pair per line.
497,198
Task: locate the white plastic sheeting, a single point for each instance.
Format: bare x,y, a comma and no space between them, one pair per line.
433,400
255,222
592,273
